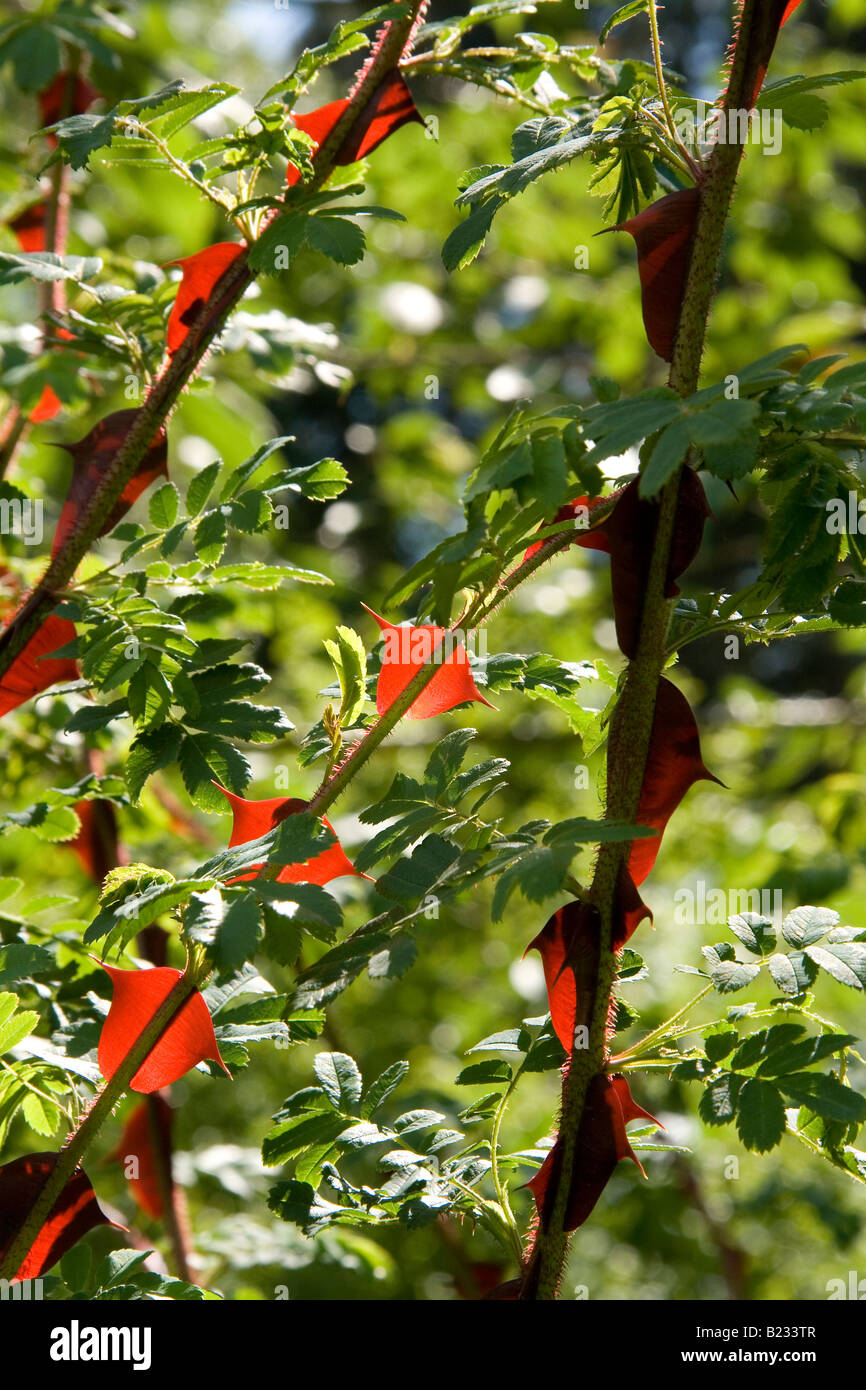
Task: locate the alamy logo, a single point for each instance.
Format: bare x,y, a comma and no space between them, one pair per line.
706,126
854,1289
76,1343
699,905
22,517
21,1290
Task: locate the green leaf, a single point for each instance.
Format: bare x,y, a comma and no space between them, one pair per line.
846,962
718,1103
138,909
342,241
395,959
511,1040
228,922
14,1027
149,696
625,12
350,660
826,1095
205,759
623,424
793,973
383,1086
463,244
340,1080
45,266
805,925
163,507
18,962
149,753
848,604
41,1115
670,449
726,973
720,1042
210,537
279,243
76,1265
483,1074
201,487
805,1052
760,1115
239,719
241,475
51,823
410,879
763,1043
756,933
446,759
116,1268
187,106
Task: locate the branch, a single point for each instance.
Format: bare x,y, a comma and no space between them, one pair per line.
178,372
77,1144
632,720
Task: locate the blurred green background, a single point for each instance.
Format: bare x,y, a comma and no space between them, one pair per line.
409,371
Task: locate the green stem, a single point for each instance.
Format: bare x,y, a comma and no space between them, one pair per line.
632,720
659,69
501,1191
662,1031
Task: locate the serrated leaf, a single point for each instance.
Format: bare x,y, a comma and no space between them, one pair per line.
163,507
340,1079
382,1087
825,1095
205,759
483,1074
150,752
201,487
718,1103
805,925
760,1115
210,537
756,933
149,696
846,962
342,241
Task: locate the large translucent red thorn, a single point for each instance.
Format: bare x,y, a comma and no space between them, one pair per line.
664,233
673,765
407,648
601,1143
388,109
201,274
253,819
187,1040
146,1144
75,1212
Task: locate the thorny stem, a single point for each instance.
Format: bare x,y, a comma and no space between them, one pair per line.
62,567
169,1193
632,720
168,386
51,294
78,1142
